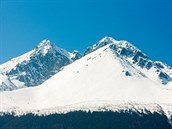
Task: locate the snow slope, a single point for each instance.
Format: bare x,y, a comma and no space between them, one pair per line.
100,80
156,70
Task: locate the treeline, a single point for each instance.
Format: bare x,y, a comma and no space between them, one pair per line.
87,120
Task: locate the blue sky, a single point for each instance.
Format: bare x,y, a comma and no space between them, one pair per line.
76,24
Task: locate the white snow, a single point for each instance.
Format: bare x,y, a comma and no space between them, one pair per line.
97,77
2,78
13,62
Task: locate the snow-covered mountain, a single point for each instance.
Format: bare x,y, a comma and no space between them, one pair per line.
34,67
38,65
113,75
155,70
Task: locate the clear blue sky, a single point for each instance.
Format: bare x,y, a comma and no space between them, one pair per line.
76,24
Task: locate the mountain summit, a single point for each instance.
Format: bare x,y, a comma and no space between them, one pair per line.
44,43
44,46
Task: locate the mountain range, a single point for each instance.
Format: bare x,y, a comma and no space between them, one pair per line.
110,75
38,65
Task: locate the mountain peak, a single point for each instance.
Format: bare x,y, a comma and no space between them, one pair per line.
43,43
44,46
107,39
103,42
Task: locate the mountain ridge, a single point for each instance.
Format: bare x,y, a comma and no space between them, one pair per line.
13,73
